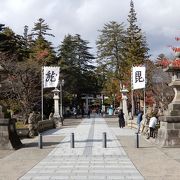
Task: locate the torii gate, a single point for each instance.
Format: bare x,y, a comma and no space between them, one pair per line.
87,98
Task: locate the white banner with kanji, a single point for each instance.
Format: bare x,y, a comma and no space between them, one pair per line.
138,77
50,76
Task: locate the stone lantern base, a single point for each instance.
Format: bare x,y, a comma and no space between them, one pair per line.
169,131
8,135
57,122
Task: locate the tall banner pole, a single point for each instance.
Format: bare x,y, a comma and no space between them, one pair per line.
145,93
144,110
132,97
138,82
144,101
132,101
51,79
42,84
132,94
132,107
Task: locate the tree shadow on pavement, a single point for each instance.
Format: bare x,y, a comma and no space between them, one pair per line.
35,144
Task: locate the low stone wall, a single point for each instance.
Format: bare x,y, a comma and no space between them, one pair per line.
42,126
45,125
23,132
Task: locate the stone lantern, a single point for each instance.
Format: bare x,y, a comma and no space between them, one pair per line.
56,115
124,92
169,132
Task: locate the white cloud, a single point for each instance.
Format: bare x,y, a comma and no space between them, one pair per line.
157,18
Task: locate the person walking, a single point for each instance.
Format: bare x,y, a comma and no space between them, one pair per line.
75,112
121,119
89,113
139,119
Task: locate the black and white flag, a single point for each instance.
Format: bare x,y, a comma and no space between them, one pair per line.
51,76
138,77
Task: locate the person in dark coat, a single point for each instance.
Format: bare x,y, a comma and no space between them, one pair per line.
121,119
89,113
139,119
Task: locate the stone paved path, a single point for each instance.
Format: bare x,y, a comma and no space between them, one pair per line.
88,160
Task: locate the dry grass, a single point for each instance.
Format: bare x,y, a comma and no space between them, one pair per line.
20,124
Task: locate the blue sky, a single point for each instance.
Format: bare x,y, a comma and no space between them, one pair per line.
157,18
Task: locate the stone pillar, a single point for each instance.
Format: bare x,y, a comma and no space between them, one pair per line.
169,132
56,115
61,100
124,92
56,103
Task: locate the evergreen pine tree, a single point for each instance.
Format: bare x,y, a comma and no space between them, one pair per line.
109,48
109,57
40,29
12,44
42,49
135,47
76,65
